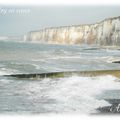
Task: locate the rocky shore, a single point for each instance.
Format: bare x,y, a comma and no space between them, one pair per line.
114,108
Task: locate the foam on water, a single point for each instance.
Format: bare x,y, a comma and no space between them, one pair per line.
73,94
5,71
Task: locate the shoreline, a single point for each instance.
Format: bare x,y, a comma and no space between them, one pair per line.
114,108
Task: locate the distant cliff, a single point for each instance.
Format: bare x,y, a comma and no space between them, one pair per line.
106,32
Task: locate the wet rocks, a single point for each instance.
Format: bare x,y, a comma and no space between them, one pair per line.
116,62
113,109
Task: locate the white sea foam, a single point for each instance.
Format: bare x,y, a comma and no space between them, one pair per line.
4,71
112,59
79,93
58,57
36,66
73,94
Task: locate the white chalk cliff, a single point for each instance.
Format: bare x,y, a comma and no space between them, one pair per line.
106,32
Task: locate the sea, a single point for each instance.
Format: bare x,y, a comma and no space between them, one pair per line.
63,95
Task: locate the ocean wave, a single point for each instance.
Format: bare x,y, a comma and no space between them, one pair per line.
6,71
72,94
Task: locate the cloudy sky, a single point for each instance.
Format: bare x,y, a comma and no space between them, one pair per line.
18,20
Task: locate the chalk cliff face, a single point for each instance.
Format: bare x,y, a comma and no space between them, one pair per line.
106,32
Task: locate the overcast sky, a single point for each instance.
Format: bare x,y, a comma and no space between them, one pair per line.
19,20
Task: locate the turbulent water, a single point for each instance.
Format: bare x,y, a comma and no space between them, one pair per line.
74,94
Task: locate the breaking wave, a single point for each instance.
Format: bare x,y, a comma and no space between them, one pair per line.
72,94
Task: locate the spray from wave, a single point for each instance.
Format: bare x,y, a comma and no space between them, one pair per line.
6,71
73,94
